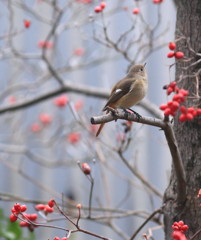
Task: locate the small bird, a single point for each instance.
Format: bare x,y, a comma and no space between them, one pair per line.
128,91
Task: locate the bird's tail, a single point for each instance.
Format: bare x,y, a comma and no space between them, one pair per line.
99,129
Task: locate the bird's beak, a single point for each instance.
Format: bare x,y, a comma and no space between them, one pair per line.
145,64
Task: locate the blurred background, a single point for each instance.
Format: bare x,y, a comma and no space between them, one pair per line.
41,145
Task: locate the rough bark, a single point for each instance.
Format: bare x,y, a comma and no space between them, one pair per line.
188,134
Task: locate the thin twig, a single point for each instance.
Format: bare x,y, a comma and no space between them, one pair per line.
140,177
144,223
196,234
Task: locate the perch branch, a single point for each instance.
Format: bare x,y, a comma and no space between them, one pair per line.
166,126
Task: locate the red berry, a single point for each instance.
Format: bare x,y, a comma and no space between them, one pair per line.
13,210
172,46
183,92
24,224
17,207
103,5
136,10
163,106
182,118
27,23
191,110
156,1
170,54
78,105
176,89
13,218
64,238
179,55
48,209
177,235
35,127
74,137
183,109
40,207
178,97
56,238
12,99
199,111
174,106
42,44
79,51
167,111
175,223
48,45
169,103
45,118
189,116
33,216
169,90
181,223
23,208
173,85
61,101
98,9
51,203
184,227
86,168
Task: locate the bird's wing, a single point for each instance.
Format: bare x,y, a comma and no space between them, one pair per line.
118,91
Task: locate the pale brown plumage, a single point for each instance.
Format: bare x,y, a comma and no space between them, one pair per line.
128,91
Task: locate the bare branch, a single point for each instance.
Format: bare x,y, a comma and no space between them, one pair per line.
145,222
170,137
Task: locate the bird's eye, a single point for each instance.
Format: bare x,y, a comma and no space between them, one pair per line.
141,69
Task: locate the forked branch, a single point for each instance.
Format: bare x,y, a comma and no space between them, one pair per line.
164,125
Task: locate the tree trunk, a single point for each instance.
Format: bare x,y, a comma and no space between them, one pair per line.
188,134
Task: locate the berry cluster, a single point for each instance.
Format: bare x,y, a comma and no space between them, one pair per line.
29,217
16,210
178,230
20,210
180,226
188,113
45,119
172,106
100,8
45,208
172,46
29,220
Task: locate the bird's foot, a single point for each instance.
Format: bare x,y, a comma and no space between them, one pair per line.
131,110
112,110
